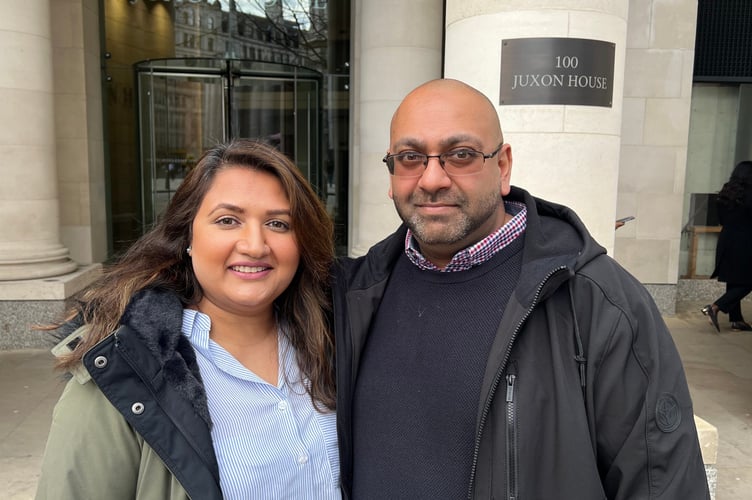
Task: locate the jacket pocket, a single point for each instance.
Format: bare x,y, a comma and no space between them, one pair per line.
512,471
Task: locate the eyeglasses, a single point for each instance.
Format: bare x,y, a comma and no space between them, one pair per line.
459,161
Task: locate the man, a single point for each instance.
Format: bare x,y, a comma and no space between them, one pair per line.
489,348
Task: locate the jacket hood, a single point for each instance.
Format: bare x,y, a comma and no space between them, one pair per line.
555,240
155,318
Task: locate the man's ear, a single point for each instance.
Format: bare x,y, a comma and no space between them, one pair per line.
391,195
504,163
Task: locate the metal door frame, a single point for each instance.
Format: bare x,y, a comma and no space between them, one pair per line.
228,70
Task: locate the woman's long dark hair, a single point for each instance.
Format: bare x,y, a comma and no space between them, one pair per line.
738,186
159,259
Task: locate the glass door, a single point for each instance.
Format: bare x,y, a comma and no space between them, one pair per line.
283,112
189,105
180,115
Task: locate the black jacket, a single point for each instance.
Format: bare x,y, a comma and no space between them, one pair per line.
600,405
732,255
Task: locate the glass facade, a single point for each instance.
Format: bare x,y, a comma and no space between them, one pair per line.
184,75
720,130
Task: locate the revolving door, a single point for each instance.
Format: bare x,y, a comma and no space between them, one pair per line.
186,106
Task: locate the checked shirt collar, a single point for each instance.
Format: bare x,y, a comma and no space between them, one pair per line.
480,252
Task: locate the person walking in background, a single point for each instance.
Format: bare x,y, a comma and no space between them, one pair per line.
733,254
218,381
489,348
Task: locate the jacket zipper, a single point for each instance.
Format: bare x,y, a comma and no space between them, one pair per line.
511,438
497,379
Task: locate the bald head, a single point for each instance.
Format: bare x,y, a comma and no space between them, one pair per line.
456,98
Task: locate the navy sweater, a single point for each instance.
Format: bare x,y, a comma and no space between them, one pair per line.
419,382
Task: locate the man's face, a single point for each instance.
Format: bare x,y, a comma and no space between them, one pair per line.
449,213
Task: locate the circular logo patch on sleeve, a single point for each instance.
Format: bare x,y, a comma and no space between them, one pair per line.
667,413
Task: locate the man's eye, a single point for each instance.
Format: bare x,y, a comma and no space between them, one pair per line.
461,155
411,157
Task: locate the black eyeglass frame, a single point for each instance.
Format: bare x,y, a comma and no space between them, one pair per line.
389,159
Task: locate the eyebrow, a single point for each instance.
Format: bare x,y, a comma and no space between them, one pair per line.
412,142
227,206
281,211
240,210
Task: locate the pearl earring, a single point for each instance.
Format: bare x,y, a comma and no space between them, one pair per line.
188,251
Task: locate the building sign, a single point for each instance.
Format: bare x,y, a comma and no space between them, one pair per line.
557,71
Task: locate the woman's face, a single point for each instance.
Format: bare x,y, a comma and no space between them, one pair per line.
243,249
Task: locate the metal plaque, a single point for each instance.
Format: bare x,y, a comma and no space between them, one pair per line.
557,71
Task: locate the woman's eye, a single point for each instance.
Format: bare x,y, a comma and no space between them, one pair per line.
226,221
279,225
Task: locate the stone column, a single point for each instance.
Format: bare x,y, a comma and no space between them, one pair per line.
29,240
396,47
568,154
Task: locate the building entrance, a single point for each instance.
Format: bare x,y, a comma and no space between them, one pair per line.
187,105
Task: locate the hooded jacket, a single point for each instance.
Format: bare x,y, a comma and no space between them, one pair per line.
583,396
135,423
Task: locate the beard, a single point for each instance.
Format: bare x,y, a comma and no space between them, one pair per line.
448,229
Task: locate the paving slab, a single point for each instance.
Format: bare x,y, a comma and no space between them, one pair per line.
718,367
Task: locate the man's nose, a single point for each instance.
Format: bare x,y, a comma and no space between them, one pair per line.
434,176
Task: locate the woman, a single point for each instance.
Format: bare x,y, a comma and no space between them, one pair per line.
218,379
733,264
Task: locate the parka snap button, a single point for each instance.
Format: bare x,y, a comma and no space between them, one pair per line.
100,361
137,408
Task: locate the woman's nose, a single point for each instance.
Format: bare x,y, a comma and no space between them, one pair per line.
253,243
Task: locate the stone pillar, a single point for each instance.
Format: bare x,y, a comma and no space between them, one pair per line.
77,72
565,153
396,47
29,241
657,104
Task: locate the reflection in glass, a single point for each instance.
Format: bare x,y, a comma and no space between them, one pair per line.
208,70
180,117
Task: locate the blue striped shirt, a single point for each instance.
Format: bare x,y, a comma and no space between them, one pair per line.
270,442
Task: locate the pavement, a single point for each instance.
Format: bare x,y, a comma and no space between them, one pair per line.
718,367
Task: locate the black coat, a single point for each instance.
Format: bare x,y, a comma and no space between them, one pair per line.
618,426
733,255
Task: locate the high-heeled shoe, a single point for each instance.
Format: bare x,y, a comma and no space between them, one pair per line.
741,326
712,316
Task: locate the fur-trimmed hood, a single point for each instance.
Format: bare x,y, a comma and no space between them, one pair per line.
143,395
155,317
